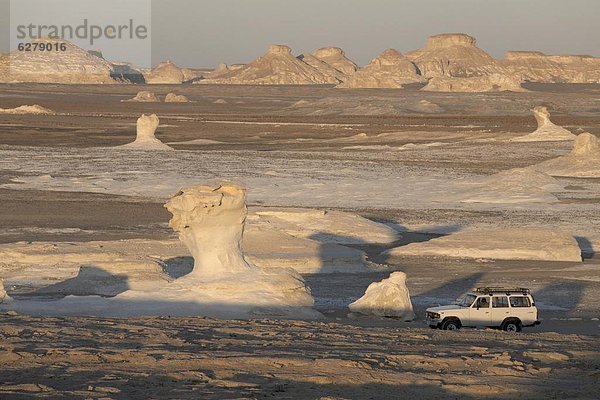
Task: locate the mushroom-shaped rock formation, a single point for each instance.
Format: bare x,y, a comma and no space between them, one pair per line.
546,130
336,57
389,70
323,67
145,97
145,140
210,222
4,297
176,98
485,83
582,162
277,67
165,73
388,298
71,66
534,66
454,55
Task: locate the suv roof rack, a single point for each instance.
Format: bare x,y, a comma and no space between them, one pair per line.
499,289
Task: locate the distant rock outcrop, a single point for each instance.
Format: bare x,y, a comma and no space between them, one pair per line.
485,83
176,98
145,139
582,162
220,70
145,97
534,66
579,69
454,55
71,66
277,67
546,130
34,109
323,67
165,73
336,57
389,70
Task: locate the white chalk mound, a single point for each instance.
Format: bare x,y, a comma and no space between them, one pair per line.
145,139
485,83
277,67
388,298
582,162
336,57
145,96
165,73
176,98
389,70
71,66
546,130
4,297
497,244
34,109
454,55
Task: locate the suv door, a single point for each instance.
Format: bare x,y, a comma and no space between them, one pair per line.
500,310
522,308
479,313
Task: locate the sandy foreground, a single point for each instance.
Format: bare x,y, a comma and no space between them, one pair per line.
211,359
381,154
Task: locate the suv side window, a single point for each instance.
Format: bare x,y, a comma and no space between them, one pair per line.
499,302
519,301
482,302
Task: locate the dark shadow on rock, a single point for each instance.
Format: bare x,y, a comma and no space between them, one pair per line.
178,267
587,249
565,295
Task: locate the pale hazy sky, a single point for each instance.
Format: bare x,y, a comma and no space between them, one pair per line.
201,33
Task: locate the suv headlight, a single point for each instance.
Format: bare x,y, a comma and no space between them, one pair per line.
432,315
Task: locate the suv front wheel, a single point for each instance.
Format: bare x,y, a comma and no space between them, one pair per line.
451,324
512,325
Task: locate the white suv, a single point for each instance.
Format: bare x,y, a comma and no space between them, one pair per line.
496,307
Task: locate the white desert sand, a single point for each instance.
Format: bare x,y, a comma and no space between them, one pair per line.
336,57
388,298
34,109
546,131
145,139
389,70
277,67
145,96
484,83
497,244
582,162
454,55
71,66
176,98
165,73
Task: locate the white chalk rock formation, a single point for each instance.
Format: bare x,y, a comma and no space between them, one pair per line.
71,66
582,162
220,70
497,244
4,297
165,73
389,70
336,57
34,109
322,67
534,66
454,55
145,139
579,69
485,83
176,98
546,130
210,222
277,67
388,298
145,97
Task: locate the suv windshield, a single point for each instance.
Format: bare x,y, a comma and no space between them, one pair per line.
466,300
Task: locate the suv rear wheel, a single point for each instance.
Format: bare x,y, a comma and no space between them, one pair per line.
512,325
451,324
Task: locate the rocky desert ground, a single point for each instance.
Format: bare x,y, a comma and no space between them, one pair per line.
343,185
